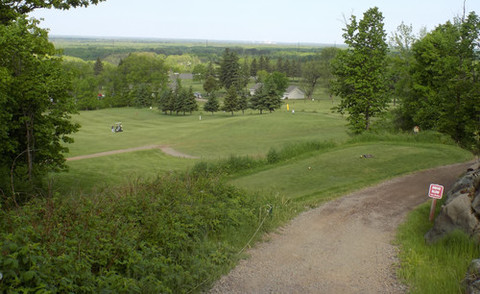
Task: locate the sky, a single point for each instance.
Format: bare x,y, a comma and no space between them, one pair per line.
275,21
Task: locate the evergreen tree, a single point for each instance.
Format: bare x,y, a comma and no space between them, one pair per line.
190,102
211,84
242,103
259,100
166,101
142,96
230,103
253,67
98,67
229,70
360,71
279,65
212,105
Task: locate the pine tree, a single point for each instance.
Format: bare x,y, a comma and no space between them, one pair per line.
190,102
253,67
230,103
212,104
98,67
242,102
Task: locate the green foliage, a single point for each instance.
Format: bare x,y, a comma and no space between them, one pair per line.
98,67
178,100
35,105
230,103
211,84
138,70
269,95
444,89
230,75
166,236
424,267
272,156
212,104
360,71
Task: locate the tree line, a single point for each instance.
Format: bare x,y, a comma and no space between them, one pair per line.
433,78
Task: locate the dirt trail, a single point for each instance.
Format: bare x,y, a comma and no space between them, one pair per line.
343,246
165,149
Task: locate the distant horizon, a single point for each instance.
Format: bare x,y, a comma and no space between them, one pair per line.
192,40
266,21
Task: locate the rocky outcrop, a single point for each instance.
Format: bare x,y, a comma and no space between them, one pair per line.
461,210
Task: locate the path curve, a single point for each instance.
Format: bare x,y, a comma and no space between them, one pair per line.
343,246
165,149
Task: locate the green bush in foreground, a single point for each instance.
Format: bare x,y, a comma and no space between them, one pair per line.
172,235
437,268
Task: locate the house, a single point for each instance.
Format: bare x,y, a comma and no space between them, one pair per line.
293,92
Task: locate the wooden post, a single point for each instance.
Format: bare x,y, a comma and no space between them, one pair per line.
432,209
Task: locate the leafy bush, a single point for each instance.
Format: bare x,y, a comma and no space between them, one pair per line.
165,236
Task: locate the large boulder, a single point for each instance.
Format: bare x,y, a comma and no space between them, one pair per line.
456,215
461,210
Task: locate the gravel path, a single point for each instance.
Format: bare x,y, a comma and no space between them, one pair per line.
165,149
343,246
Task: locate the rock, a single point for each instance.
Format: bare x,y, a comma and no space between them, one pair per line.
472,278
463,185
476,202
455,215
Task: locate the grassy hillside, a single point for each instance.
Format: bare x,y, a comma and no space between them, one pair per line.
181,230
342,169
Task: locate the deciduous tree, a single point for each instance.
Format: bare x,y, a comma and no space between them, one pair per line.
445,82
36,106
360,71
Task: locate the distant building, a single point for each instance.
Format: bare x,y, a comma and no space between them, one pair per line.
293,92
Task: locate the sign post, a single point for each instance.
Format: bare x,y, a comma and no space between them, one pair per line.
436,192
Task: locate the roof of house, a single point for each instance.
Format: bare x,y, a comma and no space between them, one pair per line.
292,88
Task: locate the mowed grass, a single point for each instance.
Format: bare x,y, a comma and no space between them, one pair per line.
212,136
342,169
200,134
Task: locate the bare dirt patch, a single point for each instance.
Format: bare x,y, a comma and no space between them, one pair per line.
165,149
343,246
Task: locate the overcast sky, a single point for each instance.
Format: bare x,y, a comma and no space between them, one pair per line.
303,21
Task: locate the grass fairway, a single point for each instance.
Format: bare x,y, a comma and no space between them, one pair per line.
213,136
342,170
221,135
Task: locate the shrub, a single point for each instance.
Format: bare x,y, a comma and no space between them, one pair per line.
165,236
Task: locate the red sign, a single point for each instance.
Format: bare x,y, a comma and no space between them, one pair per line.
435,191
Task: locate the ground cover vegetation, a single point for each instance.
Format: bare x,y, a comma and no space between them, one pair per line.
178,231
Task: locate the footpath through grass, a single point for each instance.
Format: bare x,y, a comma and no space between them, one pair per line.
174,225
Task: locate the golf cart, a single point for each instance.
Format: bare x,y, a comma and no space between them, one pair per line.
117,127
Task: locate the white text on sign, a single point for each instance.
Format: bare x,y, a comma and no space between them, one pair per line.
435,191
